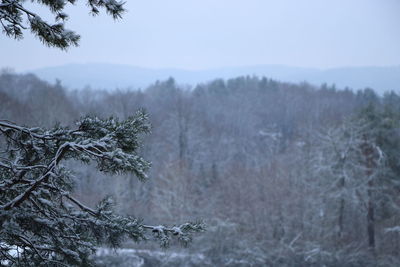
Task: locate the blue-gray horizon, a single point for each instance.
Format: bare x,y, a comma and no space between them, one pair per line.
209,34
94,63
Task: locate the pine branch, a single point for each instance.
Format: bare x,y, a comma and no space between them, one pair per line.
67,229
13,24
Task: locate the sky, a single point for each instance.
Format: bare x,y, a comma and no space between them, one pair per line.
208,34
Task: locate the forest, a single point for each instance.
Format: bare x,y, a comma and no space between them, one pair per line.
282,174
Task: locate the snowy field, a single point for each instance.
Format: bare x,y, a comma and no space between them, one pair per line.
147,258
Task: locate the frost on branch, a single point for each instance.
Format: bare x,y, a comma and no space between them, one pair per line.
14,18
39,215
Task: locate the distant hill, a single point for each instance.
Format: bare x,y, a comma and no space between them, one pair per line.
110,76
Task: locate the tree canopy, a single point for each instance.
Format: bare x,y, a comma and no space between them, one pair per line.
280,171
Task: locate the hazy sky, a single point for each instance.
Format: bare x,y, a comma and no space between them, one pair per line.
203,34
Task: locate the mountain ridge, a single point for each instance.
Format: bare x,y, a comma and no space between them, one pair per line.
112,76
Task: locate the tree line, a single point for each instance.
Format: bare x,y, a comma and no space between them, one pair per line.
283,174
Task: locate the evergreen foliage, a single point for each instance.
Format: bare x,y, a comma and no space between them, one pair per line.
15,17
41,221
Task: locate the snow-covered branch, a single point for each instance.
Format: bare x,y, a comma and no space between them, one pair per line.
37,202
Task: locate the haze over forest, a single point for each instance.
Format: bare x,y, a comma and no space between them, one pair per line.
109,76
257,132
276,170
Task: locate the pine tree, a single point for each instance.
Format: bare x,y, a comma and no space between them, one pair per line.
42,223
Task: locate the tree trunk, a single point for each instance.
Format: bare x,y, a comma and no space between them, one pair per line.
370,219
370,164
341,211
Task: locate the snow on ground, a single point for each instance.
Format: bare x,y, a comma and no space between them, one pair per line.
127,257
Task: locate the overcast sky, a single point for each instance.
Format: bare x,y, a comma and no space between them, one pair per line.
204,34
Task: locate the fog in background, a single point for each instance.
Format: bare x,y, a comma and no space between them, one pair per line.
287,166
282,174
225,33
